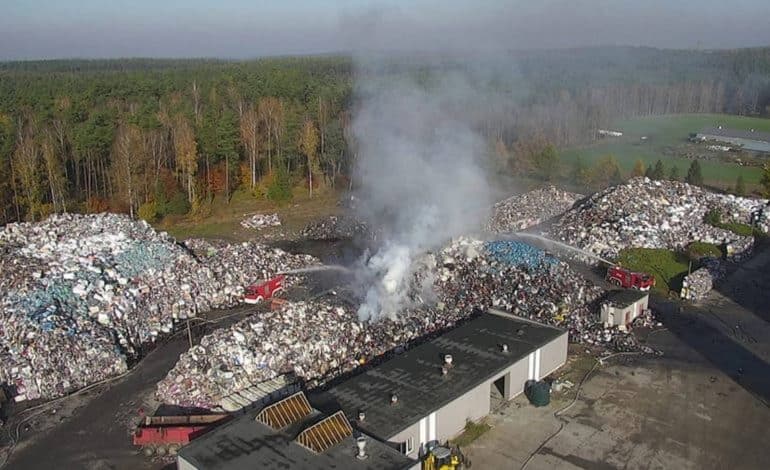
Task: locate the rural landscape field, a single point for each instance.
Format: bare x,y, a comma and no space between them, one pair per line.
384,235
666,139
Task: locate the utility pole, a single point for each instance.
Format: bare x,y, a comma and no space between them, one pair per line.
189,333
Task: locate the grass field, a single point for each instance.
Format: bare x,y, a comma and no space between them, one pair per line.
665,132
222,220
668,267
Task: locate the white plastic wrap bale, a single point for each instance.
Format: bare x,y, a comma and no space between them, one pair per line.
319,340
652,214
532,208
260,221
79,293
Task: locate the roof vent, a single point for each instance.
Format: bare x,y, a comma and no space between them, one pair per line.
361,415
504,348
361,444
393,398
448,360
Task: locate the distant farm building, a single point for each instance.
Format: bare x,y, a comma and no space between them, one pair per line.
748,140
609,133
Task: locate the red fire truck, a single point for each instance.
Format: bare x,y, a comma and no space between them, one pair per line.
621,277
256,293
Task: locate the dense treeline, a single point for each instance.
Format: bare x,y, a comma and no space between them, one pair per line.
165,136
154,137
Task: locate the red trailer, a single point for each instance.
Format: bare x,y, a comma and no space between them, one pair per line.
166,434
256,293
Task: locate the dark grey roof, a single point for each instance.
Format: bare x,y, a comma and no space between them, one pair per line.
736,133
415,375
247,443
624,297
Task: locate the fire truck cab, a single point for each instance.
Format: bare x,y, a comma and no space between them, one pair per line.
256,293
621,277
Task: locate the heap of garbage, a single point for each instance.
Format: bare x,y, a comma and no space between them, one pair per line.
529,209
336,227
321,339
260,221
80,294
230,267
644,213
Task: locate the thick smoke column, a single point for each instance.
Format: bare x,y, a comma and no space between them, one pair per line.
420,174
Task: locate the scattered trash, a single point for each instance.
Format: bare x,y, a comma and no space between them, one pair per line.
335,227
260,221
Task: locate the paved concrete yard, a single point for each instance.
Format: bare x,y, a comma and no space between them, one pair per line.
645,414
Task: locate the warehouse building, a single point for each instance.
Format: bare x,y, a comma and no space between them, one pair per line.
290,434
421,396
749,140
429,392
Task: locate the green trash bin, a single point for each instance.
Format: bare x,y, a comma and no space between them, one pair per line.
538,392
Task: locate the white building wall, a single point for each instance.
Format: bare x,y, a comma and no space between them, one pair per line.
182,464
449,421
553,355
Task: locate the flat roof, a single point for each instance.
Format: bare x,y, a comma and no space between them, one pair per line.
247,443
415,375
736,133
624,297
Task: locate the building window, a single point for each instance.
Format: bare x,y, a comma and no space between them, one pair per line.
407,446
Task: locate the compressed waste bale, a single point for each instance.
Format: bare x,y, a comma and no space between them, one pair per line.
697,284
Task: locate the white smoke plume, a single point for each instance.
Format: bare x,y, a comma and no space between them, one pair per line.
420,173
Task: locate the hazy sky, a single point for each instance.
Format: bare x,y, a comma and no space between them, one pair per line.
249,28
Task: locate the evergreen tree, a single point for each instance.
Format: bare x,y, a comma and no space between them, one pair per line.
694,175
546,163
648,172
740,186
659,172
638,169
673,175
579,174
765,181
228,138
